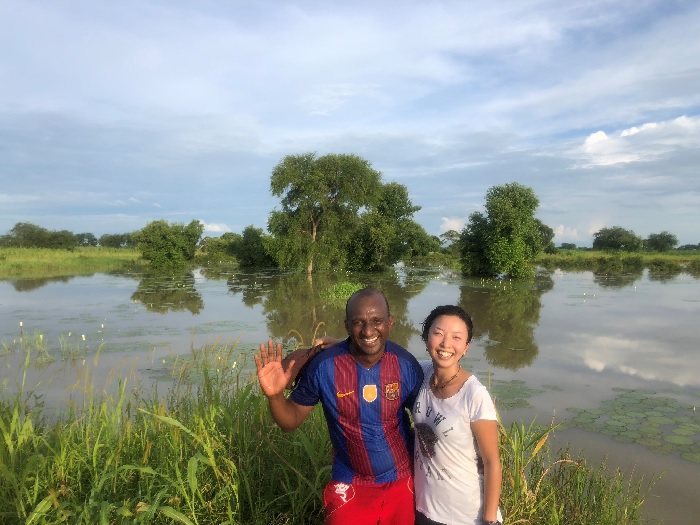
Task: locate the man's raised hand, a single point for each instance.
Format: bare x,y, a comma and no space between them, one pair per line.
272,376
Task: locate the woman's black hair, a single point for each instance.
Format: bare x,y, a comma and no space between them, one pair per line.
448,309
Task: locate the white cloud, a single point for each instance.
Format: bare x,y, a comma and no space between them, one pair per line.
642,143
565,234
634,129
215,228
448,224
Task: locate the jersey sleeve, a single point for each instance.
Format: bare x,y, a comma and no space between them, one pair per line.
307,391
416,374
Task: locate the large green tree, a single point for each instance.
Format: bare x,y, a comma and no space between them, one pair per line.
617,238
320,201
506,238
661,242
386,232
167,245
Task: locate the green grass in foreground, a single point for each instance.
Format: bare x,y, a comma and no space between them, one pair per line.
207,452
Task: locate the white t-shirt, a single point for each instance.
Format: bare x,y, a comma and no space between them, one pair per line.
449,472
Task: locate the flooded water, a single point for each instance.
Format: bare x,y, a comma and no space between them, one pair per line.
614,359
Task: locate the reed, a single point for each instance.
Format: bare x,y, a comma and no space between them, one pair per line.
207,452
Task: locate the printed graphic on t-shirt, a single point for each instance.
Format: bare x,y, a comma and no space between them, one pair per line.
428,439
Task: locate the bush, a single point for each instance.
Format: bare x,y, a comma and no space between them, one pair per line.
167,245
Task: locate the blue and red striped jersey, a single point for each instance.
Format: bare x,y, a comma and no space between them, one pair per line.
364,409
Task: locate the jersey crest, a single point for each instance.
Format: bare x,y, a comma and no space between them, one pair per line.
369,393
391,391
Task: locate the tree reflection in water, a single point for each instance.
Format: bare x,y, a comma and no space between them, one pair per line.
29,285
297,308
505,315
617,280
165,293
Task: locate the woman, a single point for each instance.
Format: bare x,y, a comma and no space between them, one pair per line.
457,468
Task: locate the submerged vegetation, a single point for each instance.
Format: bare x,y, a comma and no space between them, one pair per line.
207,452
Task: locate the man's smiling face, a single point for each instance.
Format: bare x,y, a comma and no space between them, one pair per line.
368,323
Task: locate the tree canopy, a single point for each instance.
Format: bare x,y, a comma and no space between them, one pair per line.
321,197
169,245
616,238
450,242
28,235
507,237
117,240
661,242
387,232
253,249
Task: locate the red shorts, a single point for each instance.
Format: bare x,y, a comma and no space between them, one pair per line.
387,504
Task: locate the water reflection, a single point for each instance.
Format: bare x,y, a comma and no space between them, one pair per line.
168,293
28,285
505,315
297,307
617,280
664,276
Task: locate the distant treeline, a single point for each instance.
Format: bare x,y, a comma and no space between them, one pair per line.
27,235
337,213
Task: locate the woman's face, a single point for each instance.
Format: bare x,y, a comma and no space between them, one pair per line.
447,340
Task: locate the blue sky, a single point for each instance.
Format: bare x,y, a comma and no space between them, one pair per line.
113,114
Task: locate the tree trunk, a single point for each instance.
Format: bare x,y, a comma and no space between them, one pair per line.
314,226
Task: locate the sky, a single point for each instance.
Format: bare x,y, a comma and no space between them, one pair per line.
115,114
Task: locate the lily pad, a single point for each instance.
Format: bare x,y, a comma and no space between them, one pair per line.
616,423
682,431
691,456
621,438
661,420
679,440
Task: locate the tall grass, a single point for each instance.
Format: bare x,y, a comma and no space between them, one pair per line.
618,262
207,452
44,262
545,489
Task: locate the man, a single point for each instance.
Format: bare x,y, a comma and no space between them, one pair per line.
364,384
